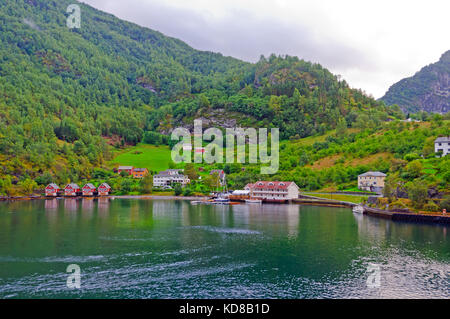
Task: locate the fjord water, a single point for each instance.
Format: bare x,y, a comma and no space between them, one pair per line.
136,248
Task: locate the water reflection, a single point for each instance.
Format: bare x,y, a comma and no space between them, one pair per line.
87,205
71,204
51,204
371,229
103,206
171,249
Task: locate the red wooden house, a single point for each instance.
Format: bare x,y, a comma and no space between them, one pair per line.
88,189
104,189
52,190
71,189
128,169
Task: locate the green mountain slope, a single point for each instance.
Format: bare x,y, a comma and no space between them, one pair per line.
428,90
65,94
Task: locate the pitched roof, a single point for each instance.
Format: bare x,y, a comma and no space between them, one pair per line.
89,185
271,185
125,167
139,169
373,174
170,175
105,185
444,139
53,185
73,185
170,172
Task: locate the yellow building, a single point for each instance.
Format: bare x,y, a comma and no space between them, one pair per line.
371,181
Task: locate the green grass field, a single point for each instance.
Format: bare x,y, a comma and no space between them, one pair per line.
154,158
344,198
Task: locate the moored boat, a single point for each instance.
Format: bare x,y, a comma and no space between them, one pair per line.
253,201
222,200
358,209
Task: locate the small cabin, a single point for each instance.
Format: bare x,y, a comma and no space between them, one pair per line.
104,189
71,189
52,190
88,189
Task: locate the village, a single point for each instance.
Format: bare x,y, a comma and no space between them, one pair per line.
260,191
372,182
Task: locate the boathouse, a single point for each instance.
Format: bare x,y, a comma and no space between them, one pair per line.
104,189
52,190
89,189
71,189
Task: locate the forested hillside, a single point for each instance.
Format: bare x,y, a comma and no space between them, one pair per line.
67,96
428,90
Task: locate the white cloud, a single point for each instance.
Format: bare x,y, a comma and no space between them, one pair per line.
372,44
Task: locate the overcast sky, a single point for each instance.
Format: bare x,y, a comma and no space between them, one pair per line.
371,43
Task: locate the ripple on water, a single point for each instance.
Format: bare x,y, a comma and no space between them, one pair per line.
223,230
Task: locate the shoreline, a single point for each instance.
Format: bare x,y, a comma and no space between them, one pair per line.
306,200
171,197
36,197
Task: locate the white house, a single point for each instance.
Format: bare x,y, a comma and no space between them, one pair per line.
273,191
442,144
169,177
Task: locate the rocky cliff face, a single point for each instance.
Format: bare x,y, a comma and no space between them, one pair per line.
428,90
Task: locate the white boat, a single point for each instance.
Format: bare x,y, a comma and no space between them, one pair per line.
253,201
358,209
221,200
204,202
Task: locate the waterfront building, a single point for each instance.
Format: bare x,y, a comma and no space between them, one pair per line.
52,190
71,189
104,189
240,195
273,190
371,181
88,189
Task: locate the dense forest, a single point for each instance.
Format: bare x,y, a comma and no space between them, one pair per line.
69,97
